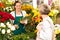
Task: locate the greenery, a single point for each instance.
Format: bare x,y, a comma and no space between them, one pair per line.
23,36
58,37
33,16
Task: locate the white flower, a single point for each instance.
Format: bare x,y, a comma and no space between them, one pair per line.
28,37
7,7
7,10
11,9
9,26
2,25
12,28
4,9
8,31
57,25
7,23
0,29
56,28
10,1
56,11
3,31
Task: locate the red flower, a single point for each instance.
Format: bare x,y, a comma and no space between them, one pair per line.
2,20
5,16
41,17
11,17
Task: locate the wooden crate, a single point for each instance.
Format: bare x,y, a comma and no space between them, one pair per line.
58,20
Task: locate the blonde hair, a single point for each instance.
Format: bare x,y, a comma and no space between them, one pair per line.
44,9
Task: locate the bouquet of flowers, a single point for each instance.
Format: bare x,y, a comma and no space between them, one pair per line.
4,16
6,5
8,9
33,17
27,7
57,31
53,14
1,6
6,27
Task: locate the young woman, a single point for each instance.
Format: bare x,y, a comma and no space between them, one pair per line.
18,14
46,27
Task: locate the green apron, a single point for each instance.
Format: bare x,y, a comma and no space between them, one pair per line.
21,28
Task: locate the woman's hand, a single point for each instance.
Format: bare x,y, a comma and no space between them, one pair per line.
16,26
54,36
23,21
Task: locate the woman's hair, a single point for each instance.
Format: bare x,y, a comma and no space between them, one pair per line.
16,2
44,9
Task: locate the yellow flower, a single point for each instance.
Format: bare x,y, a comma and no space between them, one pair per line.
36,9
27,7
57,31
51,13
36,13
38,20
27,15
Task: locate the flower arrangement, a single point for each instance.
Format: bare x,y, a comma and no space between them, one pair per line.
7,2
4,16
57,31
6,5
33,16
8,9
32,12
53,14
57,28
1,6
6,30
6,27
27,7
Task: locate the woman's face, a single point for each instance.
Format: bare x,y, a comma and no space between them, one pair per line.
18,6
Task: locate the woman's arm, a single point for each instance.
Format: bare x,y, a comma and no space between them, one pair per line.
12,21
13,14
39,27
24,21
53,36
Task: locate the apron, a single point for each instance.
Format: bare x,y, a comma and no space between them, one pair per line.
21,28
